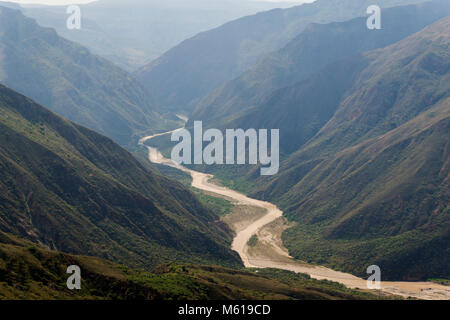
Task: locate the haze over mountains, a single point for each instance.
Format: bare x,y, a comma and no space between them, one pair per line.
134,32
189,71
246,101
71,81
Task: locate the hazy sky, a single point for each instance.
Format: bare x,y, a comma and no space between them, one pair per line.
58,2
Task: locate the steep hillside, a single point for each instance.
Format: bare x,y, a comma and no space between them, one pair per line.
308,53
72,82
30,272
76,191
371,187
384,202
189,71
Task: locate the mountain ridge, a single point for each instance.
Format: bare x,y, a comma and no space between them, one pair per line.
71,81
72,189
197,66
316,47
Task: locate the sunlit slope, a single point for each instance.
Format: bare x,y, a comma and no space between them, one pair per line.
76,191
31,272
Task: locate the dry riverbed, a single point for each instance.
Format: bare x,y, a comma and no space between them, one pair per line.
251,217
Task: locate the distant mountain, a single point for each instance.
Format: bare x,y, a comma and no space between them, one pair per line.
71,81
30,272
73,190
371,186
248,101
197,66
132,33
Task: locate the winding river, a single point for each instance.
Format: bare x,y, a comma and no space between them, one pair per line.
279,258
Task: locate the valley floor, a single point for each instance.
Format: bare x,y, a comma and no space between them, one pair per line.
258,238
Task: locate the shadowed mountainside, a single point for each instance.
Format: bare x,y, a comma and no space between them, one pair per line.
246,101
199,65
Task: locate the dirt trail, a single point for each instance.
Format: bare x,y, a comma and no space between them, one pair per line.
279,258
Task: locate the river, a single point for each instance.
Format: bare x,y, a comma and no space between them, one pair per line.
279,258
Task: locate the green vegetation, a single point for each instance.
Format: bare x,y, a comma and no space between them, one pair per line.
370,188
232,178
95,197
445,282
365,170
219,206
175,174
368,179
30,272
253,241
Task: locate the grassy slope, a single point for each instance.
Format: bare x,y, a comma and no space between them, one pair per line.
75,190
389,205
30,272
